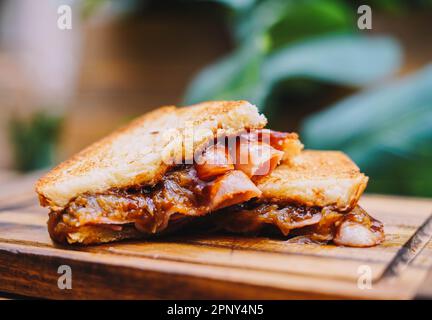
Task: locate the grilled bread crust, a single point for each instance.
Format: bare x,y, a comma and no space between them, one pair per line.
141,152
315,178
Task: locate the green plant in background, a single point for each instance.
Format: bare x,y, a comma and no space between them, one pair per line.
386,130
34,140
340,59
279,40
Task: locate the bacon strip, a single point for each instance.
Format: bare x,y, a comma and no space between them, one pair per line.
253,152
215,162
232,188
256,158
277,139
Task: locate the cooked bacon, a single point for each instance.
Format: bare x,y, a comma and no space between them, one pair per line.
256,158
256,153
276,139
358,229
232,188
214,162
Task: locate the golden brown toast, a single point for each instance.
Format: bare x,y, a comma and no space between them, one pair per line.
137,153
315,178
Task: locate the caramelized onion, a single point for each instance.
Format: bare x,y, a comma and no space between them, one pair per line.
252,217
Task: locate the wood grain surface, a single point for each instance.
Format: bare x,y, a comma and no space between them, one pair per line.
202,266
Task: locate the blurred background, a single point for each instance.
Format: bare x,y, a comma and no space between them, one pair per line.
305,64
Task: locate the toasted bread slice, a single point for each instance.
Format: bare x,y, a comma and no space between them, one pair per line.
141,152
315,178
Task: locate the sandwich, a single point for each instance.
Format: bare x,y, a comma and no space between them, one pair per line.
163,170
214,162
313,198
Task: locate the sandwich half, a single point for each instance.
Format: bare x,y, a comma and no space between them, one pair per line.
161,170
315,197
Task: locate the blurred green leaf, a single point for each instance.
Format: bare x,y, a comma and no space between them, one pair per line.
249,74
393,6
311,18
34,140
234,77
386,130
257,21
285,21
344,59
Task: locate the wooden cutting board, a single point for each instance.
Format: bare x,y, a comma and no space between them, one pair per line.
210,266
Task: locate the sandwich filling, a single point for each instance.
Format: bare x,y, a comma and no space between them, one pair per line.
221,177
355,228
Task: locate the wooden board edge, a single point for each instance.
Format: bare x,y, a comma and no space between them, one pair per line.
35,274
38,278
